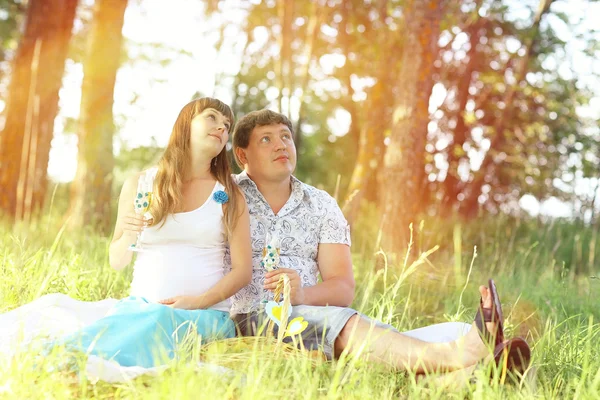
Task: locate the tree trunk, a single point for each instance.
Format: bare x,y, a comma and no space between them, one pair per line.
404,157
312,31
470,206
371,133
285,12
345,76
91,191
32,105
461,132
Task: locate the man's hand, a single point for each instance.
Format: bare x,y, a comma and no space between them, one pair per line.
297,291
183,302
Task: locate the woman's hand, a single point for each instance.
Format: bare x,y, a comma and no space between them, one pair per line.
133,223
297,291
183,302
128,226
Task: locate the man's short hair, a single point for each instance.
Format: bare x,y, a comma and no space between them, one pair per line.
246,124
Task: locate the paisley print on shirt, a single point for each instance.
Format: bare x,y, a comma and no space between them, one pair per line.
310,216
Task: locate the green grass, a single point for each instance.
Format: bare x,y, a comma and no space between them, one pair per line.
545,275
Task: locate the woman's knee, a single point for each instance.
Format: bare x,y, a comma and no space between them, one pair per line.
55,300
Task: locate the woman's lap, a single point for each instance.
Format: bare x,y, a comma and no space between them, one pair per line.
137,332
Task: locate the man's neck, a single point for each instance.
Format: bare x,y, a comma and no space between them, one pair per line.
276,193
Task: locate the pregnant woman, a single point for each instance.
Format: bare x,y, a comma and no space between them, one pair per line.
192,208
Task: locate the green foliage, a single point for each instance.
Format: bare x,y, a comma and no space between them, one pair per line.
558,310
322,156
559,249
544,139
543,136
11,14
131,161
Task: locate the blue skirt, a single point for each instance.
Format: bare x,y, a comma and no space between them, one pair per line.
136,332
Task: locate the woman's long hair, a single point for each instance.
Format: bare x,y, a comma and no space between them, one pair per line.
175,163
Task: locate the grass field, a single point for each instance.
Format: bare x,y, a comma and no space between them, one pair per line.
546,276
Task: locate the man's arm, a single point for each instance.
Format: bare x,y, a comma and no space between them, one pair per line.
337,288
333,259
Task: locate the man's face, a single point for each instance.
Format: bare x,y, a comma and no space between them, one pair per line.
271,153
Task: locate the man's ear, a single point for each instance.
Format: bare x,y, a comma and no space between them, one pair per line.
241,155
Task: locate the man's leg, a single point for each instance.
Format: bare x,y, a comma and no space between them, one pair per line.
403,352
443,332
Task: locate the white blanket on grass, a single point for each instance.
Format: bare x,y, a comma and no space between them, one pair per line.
57,314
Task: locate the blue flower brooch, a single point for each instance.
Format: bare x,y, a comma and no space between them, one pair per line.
220,197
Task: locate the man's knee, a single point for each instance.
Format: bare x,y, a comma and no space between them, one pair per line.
352,321
346,333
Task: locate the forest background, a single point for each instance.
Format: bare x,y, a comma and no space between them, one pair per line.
476,121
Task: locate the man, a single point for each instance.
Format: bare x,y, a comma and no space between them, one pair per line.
314,239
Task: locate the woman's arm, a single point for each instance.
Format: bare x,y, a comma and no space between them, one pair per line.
241,268
241,262
127,227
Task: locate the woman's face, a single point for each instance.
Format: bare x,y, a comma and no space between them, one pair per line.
209,132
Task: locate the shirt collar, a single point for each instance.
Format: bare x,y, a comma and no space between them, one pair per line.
295,197
243,177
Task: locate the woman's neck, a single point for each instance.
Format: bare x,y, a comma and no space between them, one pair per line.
199,169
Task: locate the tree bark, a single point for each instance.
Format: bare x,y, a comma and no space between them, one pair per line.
91,190
312,31
345,74
470,207
451,183
285,12
371,133
32,105
404,157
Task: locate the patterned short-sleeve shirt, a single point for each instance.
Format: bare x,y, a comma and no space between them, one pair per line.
309,217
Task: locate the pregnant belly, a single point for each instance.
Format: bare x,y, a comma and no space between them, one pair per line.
166,274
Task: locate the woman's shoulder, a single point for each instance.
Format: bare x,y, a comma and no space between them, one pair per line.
133,180
130,182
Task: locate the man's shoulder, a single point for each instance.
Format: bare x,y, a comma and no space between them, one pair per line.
237,178
316,195
333,227
242,180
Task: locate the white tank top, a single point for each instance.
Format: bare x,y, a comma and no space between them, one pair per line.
184,256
